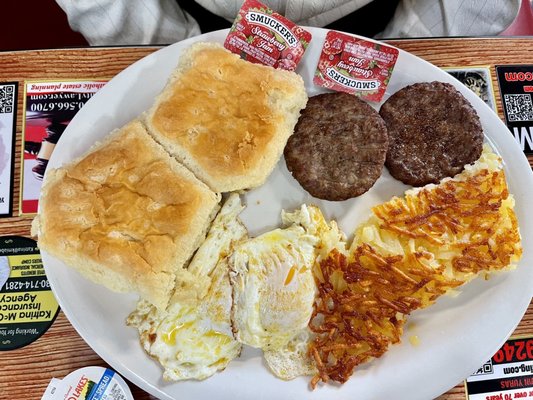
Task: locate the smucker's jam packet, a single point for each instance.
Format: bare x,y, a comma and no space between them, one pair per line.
262,36
354,65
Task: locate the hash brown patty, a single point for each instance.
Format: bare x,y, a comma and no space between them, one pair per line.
433,133
338,148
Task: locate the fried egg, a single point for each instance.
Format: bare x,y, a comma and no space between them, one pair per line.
193,338
312,220
272,279
293,359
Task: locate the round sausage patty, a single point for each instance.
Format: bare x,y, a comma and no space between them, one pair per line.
338,148
433,133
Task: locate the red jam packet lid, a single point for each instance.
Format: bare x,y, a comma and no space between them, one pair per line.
262,36
356,66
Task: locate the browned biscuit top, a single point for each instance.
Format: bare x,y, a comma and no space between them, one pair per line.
225,118
433,133
126,214
338,148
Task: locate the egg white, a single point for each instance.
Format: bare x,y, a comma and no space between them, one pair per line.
193,338
272,278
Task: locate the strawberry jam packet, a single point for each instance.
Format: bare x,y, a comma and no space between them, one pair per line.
262,36
356,66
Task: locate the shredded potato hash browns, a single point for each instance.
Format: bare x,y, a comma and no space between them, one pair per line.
410,252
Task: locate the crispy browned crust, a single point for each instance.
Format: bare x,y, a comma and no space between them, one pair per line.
126,215
362,300
360,321
226,119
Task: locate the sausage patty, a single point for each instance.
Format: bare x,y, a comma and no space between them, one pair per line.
433,133
338,148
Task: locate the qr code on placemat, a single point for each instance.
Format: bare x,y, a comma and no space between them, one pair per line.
519,107
6,98
485,369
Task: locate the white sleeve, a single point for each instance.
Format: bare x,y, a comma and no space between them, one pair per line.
302,12
422,18
129,22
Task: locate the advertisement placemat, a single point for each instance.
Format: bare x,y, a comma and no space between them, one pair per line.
516,89
27,305
48,108
8,118
507,375
476,79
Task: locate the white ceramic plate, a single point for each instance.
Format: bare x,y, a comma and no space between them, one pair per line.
457,335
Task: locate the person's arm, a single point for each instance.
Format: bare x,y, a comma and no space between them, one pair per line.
423,18
123,22
303,12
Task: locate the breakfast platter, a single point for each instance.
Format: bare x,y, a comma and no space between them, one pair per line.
453,337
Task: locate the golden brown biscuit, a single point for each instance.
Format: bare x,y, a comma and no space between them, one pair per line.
226,119
126,215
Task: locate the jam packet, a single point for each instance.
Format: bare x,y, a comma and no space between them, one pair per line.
354,65
262,36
